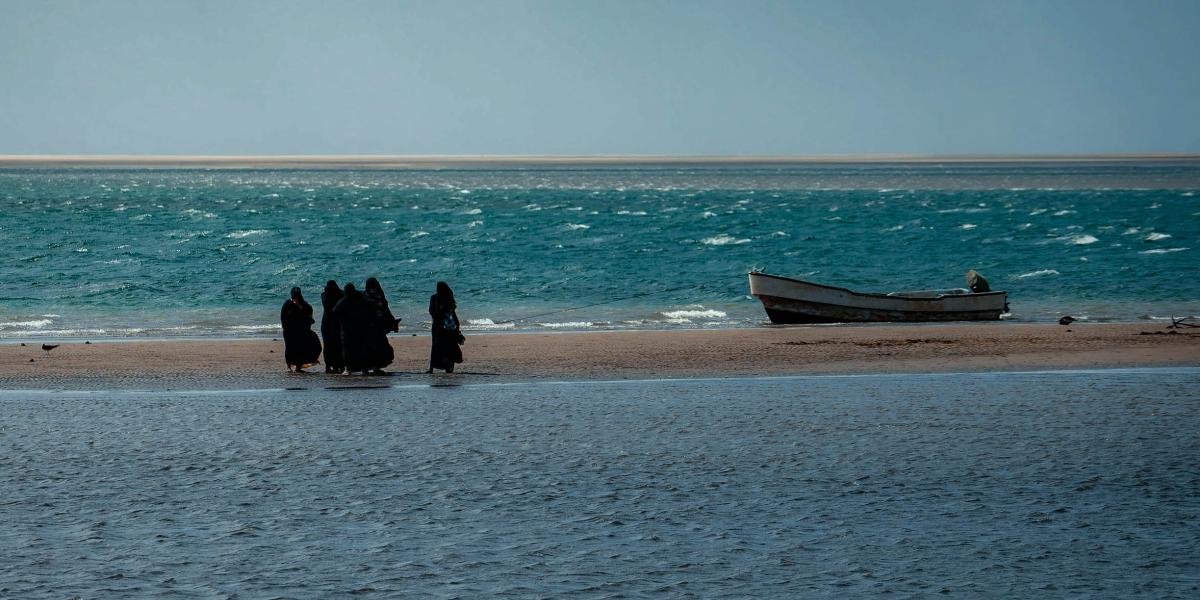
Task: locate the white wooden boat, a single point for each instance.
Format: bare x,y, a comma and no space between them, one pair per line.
795,301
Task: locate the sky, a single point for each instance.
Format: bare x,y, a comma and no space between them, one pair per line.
599,77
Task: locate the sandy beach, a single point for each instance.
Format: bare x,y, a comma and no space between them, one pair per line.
258,363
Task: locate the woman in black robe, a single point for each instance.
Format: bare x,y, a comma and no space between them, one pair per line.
301,347
379,351
331,328
447,336
354,317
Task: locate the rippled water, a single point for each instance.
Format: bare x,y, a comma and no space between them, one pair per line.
895,486
213,252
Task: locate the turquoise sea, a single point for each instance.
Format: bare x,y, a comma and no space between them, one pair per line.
164,253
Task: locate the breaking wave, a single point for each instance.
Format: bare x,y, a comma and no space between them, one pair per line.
693,314
486,325
35,324
723,240
1041,273
237,235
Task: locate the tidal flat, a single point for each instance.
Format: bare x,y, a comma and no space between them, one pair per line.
1050,484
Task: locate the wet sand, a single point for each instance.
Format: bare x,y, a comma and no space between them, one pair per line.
258,363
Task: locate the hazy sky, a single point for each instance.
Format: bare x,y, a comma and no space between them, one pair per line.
605,77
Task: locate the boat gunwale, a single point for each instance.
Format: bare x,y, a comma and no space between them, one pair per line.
874,294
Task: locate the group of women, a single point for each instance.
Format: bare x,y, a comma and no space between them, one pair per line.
354,327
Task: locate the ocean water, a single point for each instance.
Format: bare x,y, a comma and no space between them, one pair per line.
889,486
161,253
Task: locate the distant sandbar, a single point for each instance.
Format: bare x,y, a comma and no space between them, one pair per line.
430,161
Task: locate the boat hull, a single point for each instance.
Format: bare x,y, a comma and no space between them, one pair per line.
791,301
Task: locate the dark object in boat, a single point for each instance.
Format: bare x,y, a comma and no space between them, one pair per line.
789,301
977,283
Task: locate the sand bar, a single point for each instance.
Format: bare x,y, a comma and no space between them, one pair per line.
432,161
493,358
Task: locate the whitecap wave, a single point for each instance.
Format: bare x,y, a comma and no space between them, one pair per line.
64,333
34,324
270,327
1154,237
474,211
1163,250
568,325
577,226
693,314
243,234
1085,239
968,226
486,324
723,240
1041,273
417,234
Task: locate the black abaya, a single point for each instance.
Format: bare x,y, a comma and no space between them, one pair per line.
379,351
446,335
301,346
331,330
354,317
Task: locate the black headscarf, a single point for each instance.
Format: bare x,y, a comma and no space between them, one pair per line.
373,285
446,296
331,287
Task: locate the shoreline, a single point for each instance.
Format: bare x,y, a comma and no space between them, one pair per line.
625,355
1149,324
